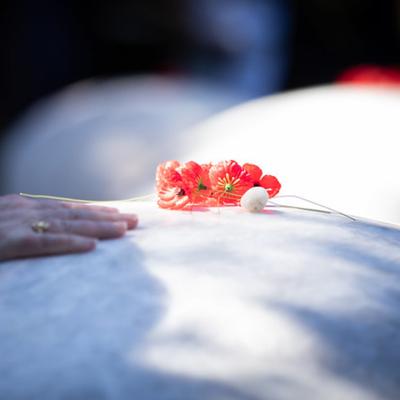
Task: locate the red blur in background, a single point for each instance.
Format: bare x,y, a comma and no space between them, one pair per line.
371,75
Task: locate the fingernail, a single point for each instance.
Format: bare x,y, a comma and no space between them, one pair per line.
131,219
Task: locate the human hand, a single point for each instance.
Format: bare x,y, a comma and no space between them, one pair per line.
69,227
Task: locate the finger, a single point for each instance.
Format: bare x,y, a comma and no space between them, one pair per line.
131,219
29,216
12,201
32,244
15,201
93,207
94,229
88,215
55,204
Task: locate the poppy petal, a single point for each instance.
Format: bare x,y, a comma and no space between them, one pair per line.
254,171
271,184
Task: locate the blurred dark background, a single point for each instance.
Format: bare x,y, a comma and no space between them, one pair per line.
255,46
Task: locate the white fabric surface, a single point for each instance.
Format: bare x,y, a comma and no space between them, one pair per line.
210,305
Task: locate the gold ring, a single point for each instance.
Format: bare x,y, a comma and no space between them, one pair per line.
40,226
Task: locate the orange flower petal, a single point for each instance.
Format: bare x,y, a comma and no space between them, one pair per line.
254,171
229,181
270,184
173,199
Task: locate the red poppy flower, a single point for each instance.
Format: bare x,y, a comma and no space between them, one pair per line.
197,182
171,189
166,174
229,181
268,182
180,186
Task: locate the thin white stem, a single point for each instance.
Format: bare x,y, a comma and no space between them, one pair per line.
272,204
332,210
48,197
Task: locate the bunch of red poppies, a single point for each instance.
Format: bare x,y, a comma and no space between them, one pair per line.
182,186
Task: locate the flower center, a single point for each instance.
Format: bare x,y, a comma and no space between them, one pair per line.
201,186
181,193
228,183
229,187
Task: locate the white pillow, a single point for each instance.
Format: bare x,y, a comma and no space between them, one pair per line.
336,145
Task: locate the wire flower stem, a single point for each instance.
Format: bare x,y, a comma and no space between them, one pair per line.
331,210
73,200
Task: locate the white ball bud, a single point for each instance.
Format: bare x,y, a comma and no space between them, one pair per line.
255,199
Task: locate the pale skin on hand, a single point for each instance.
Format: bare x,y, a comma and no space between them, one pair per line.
72,228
